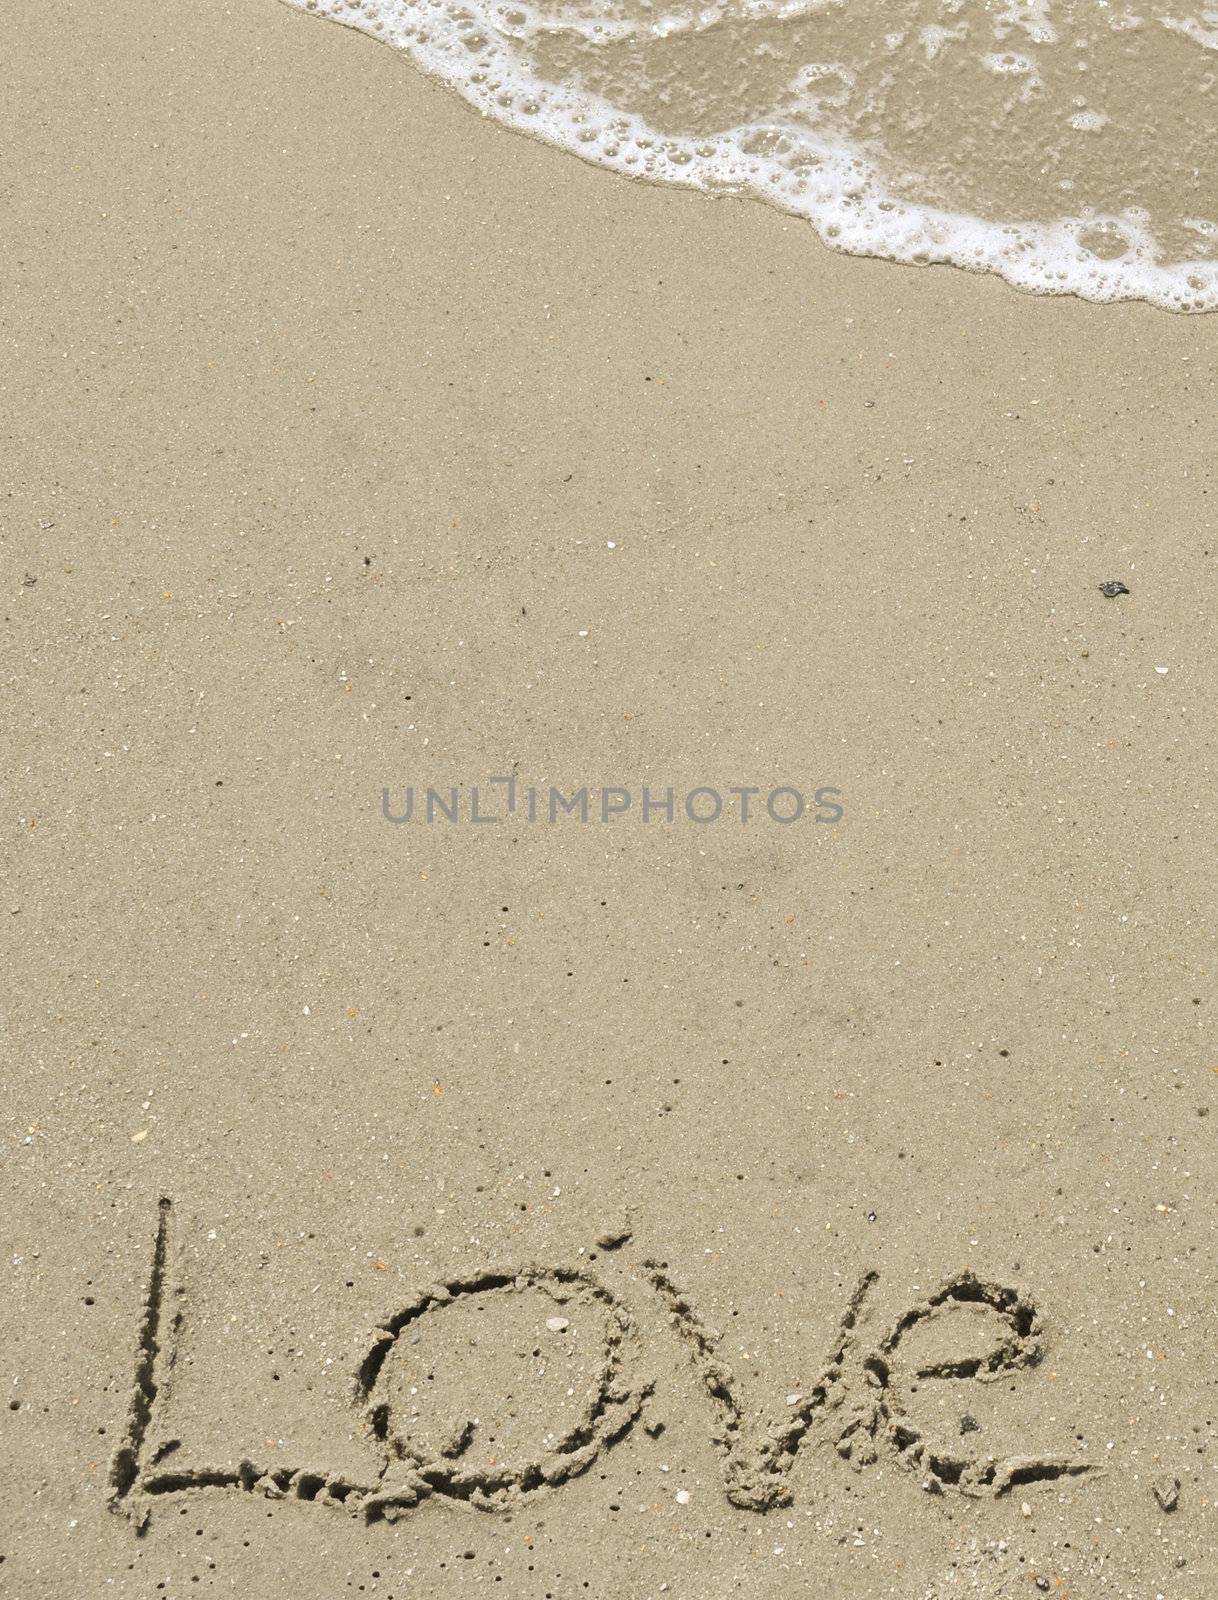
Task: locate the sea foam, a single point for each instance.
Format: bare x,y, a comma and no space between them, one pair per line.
1066,145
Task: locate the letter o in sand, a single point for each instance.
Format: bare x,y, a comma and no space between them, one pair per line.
488,1388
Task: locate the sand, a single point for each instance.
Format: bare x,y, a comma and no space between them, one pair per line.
352,443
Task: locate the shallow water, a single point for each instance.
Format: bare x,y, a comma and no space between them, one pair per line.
1068,145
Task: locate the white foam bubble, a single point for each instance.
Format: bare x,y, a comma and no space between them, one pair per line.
802,152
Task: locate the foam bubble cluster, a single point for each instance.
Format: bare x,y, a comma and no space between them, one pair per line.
1066,145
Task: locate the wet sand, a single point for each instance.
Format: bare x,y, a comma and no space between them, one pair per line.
353,442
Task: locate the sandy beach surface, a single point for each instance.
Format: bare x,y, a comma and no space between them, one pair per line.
610,1208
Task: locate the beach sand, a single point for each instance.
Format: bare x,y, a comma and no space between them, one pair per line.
353,442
